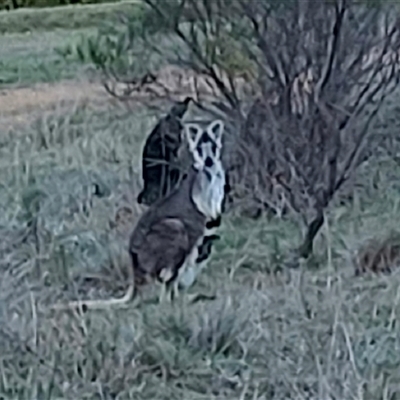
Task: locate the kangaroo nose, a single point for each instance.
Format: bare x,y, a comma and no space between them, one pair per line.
209,162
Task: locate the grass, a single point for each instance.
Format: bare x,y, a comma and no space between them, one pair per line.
31,57
68,17
270,334
30,38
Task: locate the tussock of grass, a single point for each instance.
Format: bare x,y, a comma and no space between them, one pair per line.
313,334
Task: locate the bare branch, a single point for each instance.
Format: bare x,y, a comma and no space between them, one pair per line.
332,47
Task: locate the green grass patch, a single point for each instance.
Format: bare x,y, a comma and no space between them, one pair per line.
68,17
32,41
32,58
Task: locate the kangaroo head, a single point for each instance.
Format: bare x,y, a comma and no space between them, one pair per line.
205,147
205,144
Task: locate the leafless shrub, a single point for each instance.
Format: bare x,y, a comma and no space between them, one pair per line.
317,74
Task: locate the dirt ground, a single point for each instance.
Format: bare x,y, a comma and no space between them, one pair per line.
20,106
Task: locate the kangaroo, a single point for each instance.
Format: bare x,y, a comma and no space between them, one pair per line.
165,243
160,160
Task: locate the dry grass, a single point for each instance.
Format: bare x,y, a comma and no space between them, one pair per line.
270,333
22,106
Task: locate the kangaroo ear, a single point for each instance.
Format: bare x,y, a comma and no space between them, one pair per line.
193,133
215,130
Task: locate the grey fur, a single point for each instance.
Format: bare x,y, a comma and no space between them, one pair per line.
152,246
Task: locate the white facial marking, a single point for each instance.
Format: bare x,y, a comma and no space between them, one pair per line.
205,146
215,131
193,134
